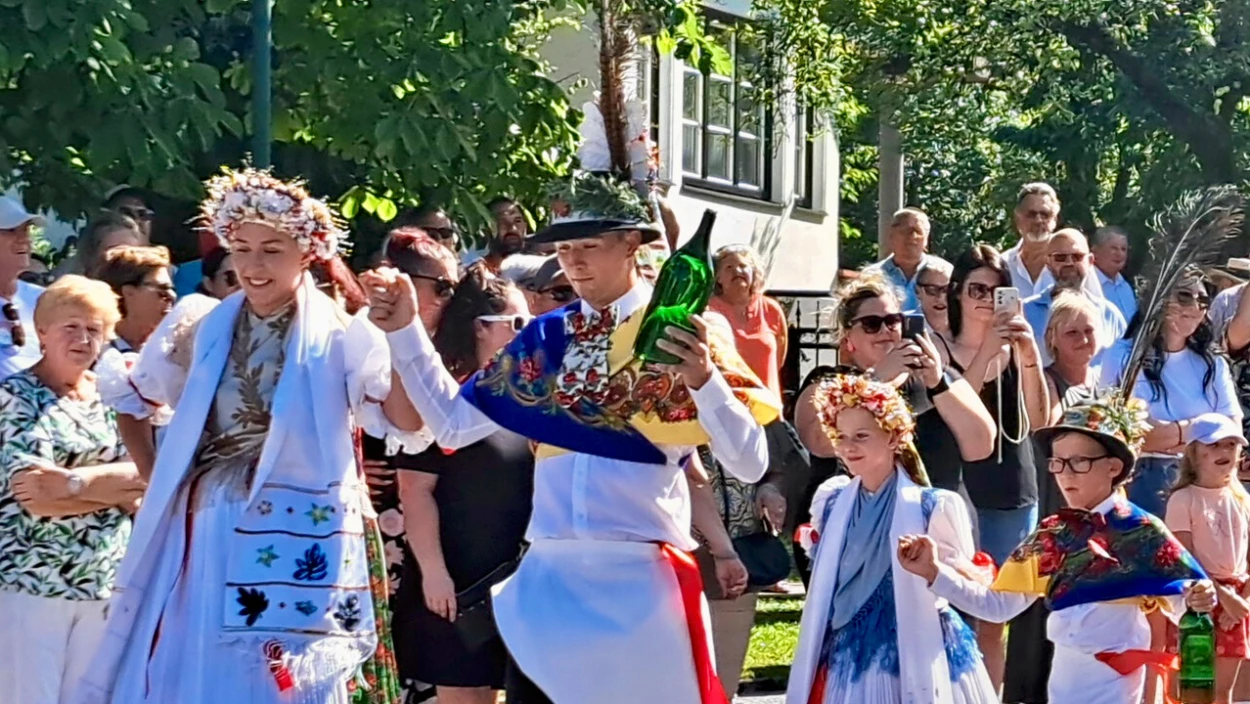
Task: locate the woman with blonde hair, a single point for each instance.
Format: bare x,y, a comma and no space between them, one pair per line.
871,632
66,491
758,322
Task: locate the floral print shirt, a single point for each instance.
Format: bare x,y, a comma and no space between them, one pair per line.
73,557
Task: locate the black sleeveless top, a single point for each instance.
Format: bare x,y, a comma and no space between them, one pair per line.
1011,483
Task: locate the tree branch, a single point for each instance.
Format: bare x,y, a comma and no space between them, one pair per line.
1207,137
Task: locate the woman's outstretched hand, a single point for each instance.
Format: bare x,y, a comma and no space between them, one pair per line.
392,298
918,554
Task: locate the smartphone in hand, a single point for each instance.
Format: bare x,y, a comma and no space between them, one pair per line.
1006,298
913,326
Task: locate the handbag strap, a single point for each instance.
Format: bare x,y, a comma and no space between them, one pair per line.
724,492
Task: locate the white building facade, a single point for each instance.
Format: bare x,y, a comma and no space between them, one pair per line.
770,172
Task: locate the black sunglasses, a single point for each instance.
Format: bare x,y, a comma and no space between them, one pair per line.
559,294
443,234
443,287
16,332
980,292
933,289
872,323
1188,298
141,214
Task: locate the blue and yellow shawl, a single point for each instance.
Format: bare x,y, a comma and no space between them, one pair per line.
637,411
1080,557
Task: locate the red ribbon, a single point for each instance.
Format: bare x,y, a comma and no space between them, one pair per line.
819,683
281,674
1156,662
691,584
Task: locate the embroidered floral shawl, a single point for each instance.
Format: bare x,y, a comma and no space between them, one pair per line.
572,385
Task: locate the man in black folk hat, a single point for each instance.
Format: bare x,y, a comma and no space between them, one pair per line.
606,605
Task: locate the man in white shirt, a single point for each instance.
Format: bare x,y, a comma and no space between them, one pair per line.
1035,216
1067,261
1110,250
594,612
19,345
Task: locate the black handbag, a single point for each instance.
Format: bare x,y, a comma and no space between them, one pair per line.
475,614
763,554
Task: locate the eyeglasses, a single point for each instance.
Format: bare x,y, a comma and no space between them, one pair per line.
1078,465
1068,257
16,332
559,294
1188,298
979,292
443,286
934,290
140,214
518,321
872,323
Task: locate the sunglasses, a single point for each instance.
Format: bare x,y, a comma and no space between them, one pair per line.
141,214
443,287
1188,298
518,321
166,290
934,290
559,294
872,323
443,234
979,292
1068,257
16,331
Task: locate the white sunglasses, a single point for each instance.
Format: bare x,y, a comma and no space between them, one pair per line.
518,320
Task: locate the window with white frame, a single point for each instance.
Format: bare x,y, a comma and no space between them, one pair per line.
803,157
725,143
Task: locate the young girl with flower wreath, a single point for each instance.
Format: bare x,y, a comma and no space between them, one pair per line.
1103,564
872,633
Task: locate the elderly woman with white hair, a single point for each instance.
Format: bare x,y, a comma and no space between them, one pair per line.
253,574
933,280
758,322
66,491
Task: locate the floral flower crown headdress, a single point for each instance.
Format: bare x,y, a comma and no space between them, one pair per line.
257,196
883,401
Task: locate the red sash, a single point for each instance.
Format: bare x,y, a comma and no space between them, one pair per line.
691,584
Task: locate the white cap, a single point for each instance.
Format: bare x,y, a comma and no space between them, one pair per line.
13,215
1210,428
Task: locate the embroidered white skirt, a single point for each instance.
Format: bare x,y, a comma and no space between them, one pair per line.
177,652
599,621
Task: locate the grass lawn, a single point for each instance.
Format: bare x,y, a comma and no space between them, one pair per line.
773,640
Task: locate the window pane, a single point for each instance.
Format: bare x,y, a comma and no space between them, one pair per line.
691,136
750,115
748,167
719,103
800,154
691,96
718,156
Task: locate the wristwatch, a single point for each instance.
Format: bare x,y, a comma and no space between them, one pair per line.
74,485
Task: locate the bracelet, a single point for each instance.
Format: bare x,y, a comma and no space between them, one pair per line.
730,556
941,387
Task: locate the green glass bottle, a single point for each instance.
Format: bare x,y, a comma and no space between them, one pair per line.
1197,654
683,289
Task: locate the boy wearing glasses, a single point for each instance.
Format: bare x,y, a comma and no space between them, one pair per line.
1101,565
1067,259
19,346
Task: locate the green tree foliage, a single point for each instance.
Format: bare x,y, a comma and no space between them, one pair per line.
385,103
1121,104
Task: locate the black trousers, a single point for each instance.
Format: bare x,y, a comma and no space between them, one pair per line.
519,689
